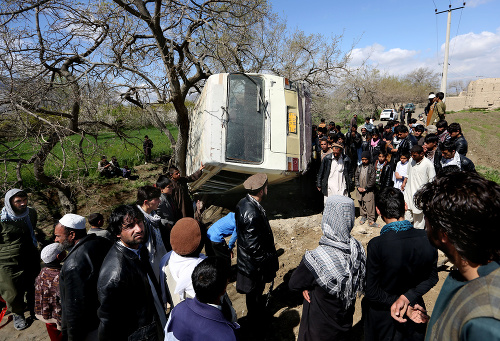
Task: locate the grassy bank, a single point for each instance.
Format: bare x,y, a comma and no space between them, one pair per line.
67,160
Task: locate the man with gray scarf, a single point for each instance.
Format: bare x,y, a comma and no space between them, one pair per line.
19,256
148,200
331,276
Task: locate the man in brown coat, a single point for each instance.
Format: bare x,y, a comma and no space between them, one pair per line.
365,184
181,191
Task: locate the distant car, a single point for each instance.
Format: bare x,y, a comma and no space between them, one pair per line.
410,108
388,114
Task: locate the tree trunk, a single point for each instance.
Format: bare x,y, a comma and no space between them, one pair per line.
66,197
182,139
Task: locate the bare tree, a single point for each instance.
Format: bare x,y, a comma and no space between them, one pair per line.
190,40
455,87
46,50
368,90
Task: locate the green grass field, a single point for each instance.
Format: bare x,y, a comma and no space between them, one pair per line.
128,151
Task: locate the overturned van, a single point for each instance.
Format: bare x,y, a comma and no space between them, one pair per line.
244,124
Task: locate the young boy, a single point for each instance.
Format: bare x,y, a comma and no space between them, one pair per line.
210,310
365,183
325,149
400,174
47,297
383,171
96,221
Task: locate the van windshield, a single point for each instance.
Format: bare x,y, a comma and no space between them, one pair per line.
245,127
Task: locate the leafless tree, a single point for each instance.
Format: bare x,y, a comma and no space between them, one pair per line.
164,50
46,54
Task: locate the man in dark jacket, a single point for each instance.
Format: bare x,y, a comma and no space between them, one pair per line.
257,257
456,136
401,266
406,144
130,297
383,171
181,191
450,157
353,144
147,145
342,172
167,210
78,278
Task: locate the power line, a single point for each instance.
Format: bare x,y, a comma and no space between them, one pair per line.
456,34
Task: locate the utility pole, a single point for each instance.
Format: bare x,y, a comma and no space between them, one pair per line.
444,80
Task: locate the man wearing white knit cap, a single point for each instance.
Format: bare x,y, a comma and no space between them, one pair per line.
78,279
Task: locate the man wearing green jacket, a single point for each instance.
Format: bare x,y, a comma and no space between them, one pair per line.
19,256
462,211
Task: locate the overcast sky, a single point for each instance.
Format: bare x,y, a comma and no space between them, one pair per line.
399,36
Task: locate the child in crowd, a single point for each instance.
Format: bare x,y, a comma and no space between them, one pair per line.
96,221
47,297
383,171
211,309
325,149
365,183
400,174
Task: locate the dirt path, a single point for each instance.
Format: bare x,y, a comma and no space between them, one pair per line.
296,225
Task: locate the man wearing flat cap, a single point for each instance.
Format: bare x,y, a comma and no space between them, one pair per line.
257,257
78,279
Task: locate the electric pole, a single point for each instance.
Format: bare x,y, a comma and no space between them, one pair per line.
444,80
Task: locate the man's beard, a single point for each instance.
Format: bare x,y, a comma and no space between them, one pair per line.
264,196
67,245
19,212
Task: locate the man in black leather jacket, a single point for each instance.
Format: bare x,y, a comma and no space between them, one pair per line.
449,156
257,257
129,308
456,136
78,278
406,144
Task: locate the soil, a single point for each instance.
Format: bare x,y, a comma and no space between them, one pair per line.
296,223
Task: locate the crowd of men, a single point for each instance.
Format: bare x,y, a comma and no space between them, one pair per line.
144,277
394,155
